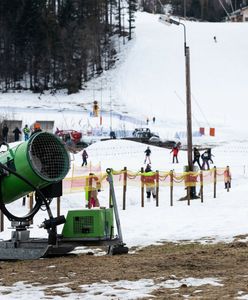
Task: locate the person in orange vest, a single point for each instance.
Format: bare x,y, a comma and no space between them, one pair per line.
149,181
227,178
93,186
37,128
95,109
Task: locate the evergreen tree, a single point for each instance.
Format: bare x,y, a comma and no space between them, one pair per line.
58,43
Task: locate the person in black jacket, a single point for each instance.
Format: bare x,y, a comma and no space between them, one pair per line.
210,155
17,133
148,153
205,159
5,131
197,156
84,157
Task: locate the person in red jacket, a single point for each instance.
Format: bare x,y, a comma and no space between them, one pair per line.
175,151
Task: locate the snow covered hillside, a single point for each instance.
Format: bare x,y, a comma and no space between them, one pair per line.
152,78
149,80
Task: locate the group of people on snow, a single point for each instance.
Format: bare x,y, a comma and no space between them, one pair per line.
206,157
148,120
18,132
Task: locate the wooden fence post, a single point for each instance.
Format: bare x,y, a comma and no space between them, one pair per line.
1,221
215,177
58,206
86,189
201,186
157,187
124,188
89,187
188,187
171,187
142,187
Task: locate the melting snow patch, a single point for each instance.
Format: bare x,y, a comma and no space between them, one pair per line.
22,290
243,297
137,289
173,283
121,290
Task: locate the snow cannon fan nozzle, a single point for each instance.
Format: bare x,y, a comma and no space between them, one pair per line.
30,166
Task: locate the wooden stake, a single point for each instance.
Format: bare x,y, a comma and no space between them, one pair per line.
215,176
201,186
171,187
142,187
157,188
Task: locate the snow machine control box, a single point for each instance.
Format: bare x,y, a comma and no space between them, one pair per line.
89,223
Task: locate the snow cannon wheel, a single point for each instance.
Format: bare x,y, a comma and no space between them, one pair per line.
118,249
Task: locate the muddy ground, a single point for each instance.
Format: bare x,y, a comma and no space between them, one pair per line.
226,262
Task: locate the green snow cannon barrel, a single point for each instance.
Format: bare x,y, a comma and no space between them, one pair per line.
42,160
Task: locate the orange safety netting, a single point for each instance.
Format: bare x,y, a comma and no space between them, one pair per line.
80,180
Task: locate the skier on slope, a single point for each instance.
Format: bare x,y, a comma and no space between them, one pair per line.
84,157
148,153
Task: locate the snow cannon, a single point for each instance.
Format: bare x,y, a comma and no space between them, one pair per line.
34,164
39,165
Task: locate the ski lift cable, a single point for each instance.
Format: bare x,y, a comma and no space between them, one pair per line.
196,121
161,5
198,105
61,111
220,1
231,5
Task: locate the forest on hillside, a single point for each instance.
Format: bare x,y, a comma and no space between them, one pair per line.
204,10
60,44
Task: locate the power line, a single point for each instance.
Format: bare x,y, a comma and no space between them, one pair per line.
196,121
200,110
224,9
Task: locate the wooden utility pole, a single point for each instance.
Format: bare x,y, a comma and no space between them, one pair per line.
188,102
168,20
